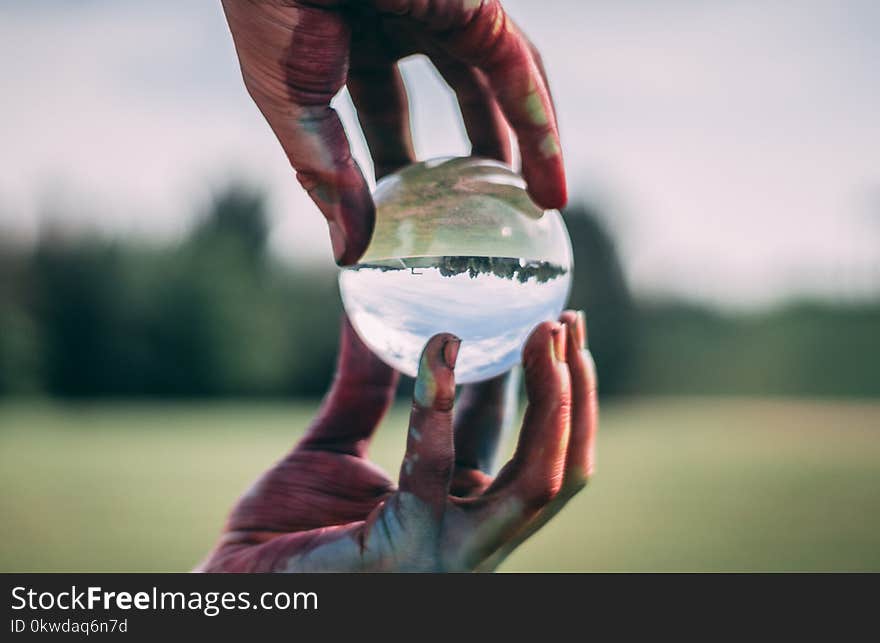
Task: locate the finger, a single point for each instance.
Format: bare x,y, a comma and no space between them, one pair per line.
362,390
481,34
538,462
539,62
483,120
294,61
483,416
579,454
534,474
379,95
579,458
533,477
427,466
500,50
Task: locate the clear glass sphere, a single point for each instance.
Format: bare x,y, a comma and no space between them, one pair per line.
458,247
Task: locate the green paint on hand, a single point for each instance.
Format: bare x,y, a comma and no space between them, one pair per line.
326,193
426,385
535,108
550,146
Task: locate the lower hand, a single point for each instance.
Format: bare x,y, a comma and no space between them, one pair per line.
325,507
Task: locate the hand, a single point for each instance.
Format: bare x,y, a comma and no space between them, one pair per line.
325,507
296,55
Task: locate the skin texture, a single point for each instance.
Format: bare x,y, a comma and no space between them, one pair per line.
295,56
325,508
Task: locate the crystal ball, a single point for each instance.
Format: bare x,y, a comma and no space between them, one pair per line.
458,247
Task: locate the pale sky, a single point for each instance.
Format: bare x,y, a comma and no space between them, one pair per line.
734,145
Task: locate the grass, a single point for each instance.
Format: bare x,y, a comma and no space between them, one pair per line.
689,485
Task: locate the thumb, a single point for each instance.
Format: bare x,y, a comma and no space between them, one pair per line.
427,466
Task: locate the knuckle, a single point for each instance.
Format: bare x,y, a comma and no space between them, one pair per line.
473,11
436,466
549,395
562,400
444,402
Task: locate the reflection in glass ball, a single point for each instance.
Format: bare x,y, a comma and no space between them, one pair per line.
458,247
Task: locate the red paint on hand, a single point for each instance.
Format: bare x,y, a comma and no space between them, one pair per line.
296,56
325,507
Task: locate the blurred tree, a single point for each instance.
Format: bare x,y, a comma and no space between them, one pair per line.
79,300
814,349
599,288
215,315
236,217
211,316
20,343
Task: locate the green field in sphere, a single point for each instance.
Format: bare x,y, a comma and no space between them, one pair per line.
465,207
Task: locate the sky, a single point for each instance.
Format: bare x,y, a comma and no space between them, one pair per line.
733,147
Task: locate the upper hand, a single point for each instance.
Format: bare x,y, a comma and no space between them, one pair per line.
296,55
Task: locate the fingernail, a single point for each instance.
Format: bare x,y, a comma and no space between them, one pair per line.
337,240
558,347
582,329
450,352
573,331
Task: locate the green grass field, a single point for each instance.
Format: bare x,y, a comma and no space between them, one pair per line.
692,485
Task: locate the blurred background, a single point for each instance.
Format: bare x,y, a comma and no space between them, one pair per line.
168,307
